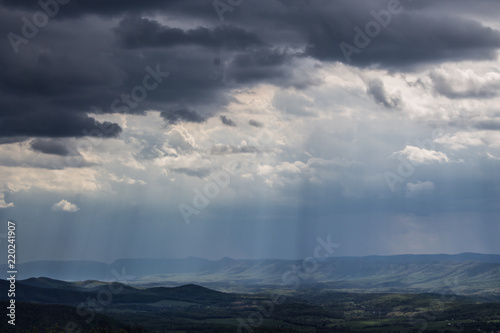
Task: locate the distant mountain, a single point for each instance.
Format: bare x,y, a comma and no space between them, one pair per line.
409,258
48,291
467,273
64,270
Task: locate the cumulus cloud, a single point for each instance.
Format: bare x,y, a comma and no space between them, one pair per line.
4,204
65,206
459,83
462,140
126,180
422,156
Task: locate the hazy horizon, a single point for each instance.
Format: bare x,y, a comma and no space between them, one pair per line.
184,129
256,259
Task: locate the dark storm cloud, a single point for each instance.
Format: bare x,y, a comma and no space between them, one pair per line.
56,125
51,147
44,89
8,140
377,91
75,8
140,32
83,62
408,40
227,121
50,86
175,116
261,65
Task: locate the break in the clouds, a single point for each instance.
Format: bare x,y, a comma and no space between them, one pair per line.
272,121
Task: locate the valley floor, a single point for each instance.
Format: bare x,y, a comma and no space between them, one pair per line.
197,309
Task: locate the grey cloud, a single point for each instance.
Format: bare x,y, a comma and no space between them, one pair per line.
492,125
225,149
227,121
260,65
14,139
255,123
78,66
200,173
377,91
415,36
424,32
75,9
56,125
51,147
175,116
141,32
58,78
464,87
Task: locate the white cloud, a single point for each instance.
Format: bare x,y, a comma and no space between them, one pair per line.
69,179
463,140
419,186
492,157
4,204
126,180
458,83
422,156
65,206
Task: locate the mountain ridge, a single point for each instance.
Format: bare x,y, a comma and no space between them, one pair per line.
402,273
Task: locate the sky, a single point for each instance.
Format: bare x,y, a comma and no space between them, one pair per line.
248,129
